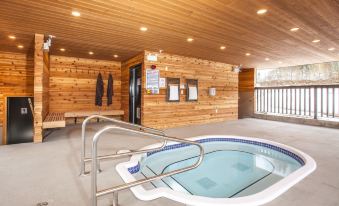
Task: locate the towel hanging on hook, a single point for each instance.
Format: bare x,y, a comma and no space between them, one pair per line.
110,91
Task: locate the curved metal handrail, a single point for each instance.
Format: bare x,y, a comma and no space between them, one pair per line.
83,158
114,190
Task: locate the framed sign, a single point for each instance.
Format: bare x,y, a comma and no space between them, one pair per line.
152,81
192,90
173,90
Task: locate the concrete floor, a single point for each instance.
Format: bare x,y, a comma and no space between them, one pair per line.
48,172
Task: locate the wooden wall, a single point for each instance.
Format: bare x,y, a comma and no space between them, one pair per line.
125,66
246,93
156,112
16,78
72,83
41,76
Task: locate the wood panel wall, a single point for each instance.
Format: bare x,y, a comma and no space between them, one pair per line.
16,78
72,83
125,66
246,93
156,112
41,75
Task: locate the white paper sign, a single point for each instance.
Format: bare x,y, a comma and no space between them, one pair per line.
162,82
193,93
174,93
152,58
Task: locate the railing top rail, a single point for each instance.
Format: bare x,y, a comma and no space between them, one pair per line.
121,124
96,138
298,86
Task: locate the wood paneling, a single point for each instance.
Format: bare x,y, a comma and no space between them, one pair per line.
16,79
39,76
156,112
72,84
109,27
246,93
125,68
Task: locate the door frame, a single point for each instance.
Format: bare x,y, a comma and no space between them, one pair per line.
129,90
4,125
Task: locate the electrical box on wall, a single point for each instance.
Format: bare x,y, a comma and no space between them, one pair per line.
212,91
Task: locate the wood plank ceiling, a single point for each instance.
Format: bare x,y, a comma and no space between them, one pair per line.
109,27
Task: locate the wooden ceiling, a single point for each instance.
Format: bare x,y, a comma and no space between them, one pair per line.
109,27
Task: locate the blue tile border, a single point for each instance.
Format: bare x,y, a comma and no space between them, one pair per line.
136,168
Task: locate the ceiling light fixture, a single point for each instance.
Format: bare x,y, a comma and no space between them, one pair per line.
20,46
115,56
267,59
248,54
12,37
90,53
222,47
190,39
62,49
160,50
143,28
76,13
331,49
262,11
294,29
279,62
316,41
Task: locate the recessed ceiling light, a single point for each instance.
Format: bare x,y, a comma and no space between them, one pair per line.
222,47
90,53
62,49
115,56
190,39
262,11
248,54
20,46
316,41
11,37
279,62
267,59
294,29
143,28
160,50
76,13
331,49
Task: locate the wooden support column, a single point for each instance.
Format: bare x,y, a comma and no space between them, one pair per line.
38,86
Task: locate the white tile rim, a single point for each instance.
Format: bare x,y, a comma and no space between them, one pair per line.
259,198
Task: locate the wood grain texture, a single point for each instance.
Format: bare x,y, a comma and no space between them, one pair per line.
246,93
39,76
158,113
16,79
125,68
73,82
109,27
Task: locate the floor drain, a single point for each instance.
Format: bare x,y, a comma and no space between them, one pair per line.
42,204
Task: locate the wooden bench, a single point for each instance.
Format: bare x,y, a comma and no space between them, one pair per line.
54,120
76,114
58,120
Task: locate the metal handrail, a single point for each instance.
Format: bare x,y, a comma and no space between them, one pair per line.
114,190
83,158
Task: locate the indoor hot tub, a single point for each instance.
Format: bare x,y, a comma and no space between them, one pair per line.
235,171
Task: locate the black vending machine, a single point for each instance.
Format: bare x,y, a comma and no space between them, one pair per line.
19,120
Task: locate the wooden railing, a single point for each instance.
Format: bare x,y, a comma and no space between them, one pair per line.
314,101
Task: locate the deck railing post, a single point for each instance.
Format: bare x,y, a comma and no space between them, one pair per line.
315,103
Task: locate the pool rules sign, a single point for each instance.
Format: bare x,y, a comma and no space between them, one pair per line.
152,81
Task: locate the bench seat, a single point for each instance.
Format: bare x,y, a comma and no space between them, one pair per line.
76,114
54,120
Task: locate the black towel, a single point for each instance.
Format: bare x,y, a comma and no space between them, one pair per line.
99,92
110,90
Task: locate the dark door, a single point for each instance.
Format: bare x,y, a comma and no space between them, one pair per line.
19,120
135,94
